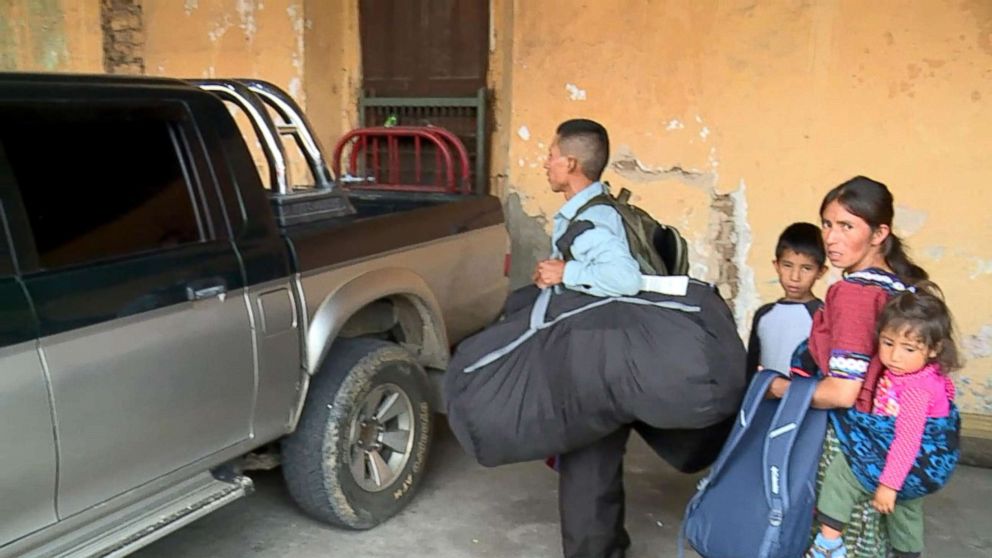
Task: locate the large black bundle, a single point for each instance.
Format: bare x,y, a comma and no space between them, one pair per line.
560,371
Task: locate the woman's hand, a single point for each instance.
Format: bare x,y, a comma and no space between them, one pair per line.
778,388
885,499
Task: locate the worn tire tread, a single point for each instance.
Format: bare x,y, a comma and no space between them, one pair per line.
304,452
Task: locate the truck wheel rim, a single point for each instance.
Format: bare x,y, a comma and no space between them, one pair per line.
381,438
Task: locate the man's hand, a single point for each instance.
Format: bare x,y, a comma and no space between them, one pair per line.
778,388
549,273
885,499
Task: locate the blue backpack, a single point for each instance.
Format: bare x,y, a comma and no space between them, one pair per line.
758,499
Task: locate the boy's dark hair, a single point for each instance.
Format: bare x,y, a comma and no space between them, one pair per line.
587,141
802,238
925,315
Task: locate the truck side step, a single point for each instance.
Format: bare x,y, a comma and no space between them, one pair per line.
145,522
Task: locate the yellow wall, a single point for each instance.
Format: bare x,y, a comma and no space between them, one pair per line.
268,39
333,74
729,119
227,38
310,49
772,103
51,35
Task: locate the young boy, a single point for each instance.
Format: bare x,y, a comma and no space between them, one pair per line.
779,327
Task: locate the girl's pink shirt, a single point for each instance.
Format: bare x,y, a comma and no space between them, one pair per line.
911,398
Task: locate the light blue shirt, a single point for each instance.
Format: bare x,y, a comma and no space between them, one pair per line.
601,264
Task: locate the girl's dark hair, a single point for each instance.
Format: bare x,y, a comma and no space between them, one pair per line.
924,314
871,200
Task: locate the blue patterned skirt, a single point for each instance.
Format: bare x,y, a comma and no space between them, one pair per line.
865,439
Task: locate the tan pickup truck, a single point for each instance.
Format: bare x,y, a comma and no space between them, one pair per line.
163,314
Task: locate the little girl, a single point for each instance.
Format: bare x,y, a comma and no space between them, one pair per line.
908,446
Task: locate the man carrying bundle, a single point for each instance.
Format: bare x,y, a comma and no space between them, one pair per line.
601,263
615,336
590,484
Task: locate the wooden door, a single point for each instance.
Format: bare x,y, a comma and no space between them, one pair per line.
432,50
424,48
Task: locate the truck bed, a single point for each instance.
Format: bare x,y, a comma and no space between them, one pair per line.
388,221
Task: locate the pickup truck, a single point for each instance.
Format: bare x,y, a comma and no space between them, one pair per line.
163,314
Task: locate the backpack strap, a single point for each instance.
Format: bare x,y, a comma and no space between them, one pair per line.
624,195
782,434
752,400
599,199
577,227
564,244
623,198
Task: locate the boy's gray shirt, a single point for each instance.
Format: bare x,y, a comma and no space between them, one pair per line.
778,328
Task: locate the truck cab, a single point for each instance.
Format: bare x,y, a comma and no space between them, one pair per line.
164,315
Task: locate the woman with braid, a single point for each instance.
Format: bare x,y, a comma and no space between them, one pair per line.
856,219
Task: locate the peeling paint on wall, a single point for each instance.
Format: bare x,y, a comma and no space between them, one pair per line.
296,18
190,5
974,385
524,133
978,390
909,221
627,165
781,120
982,267
529,239
722,242
8,40
731,243
935,253
979,345
746,301
574,93
295,88
246,12
33,35
123,37
727,242
47,20
218,28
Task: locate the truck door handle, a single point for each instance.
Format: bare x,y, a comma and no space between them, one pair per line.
201,292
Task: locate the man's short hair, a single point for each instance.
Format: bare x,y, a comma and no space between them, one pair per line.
588,142
802,238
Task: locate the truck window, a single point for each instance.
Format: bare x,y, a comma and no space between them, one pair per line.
99,182
10,211
6,256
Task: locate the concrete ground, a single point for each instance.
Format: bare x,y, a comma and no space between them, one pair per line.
466,510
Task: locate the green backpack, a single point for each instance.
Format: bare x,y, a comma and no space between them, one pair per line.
659,249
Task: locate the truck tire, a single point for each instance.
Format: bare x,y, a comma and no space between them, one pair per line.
360,448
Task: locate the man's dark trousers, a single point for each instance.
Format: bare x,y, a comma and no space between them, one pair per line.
590,484
591,499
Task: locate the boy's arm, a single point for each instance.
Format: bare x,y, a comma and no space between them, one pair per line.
910,424
754,344
813,305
